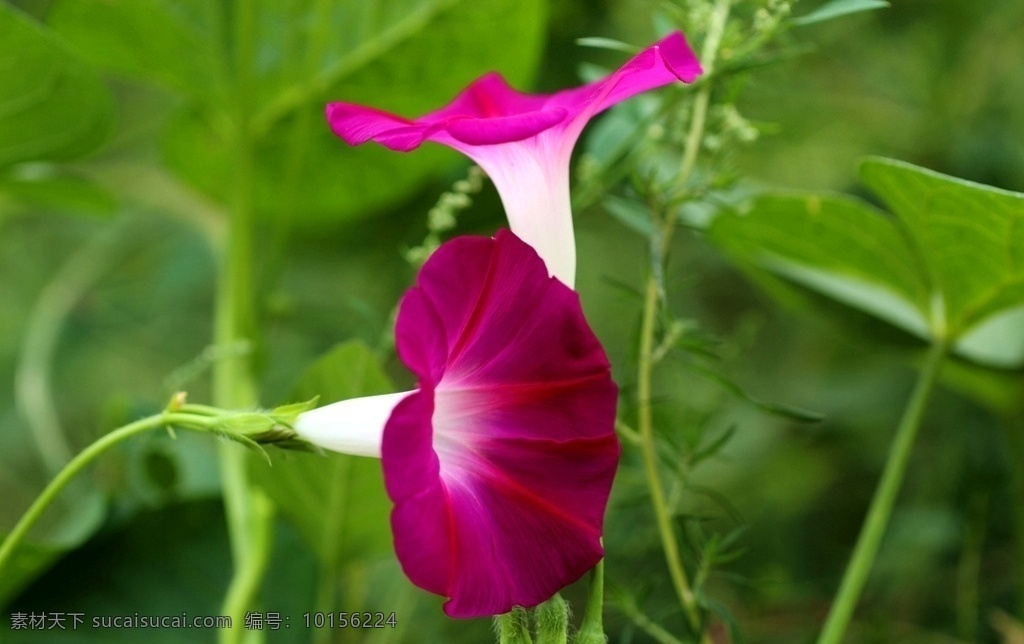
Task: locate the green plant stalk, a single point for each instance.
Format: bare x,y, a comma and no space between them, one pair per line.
84,458
863,557
513,627
248,513
646,624
551,621
592,628
645,423
645,367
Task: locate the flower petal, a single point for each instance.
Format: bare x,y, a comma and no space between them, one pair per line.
667,61
504,129
352,426
523,141
501,465
421,519
490,112
357,124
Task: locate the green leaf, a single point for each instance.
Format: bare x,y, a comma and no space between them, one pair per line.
996,341
52,105
838,8
162,42
949,266
835,245
408,56
337,502
969,236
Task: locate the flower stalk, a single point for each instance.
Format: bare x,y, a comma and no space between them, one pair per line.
552,621
652,297
870,538
199,418
592,628
514,627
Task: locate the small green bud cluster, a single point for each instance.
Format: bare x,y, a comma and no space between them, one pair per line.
442,217
730,127
768,18
698,15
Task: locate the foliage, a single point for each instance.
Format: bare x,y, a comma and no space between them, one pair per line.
770,423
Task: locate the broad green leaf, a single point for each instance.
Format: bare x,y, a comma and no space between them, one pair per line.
970,237
407,56
52,105
998,340
337,502
949,266
838,8
163,42
835,245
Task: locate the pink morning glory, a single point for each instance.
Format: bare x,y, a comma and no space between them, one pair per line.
501,462
524,141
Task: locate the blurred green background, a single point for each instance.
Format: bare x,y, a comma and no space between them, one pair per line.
107,282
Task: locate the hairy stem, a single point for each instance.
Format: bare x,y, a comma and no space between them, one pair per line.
652,293
513,627
863,557
645,423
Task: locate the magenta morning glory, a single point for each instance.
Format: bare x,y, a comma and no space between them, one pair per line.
500,463
524,141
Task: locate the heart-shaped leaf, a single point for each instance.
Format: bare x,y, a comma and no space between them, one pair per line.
948,267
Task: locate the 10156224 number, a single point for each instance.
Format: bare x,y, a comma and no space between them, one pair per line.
349,620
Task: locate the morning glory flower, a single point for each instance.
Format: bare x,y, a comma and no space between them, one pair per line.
523,141
500,464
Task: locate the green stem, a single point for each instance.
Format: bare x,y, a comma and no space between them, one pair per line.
551,620
592,628
259,542
248,514
863,557
645,424
698,121
654,630
84,458
514,627
645,368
